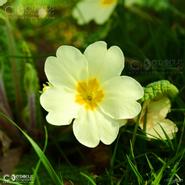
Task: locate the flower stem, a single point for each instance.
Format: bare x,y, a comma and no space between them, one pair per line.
32,111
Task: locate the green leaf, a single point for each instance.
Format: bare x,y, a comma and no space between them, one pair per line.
88,178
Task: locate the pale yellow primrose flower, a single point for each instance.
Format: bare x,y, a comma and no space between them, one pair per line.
97,10
154,113
2,2
89,88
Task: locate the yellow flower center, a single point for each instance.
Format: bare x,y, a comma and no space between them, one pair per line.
46,87
89,93
108,2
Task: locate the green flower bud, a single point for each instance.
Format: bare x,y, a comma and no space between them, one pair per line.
158,89
30,79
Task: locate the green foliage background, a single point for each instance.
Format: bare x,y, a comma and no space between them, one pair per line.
152,37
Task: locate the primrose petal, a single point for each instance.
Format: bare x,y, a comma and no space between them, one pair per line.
97,10
88,89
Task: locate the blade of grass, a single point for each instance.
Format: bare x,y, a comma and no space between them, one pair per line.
173,173
181,137
39,162
113,159
151,167
88,178
131,150
114,152
38,181
159,176
39,152
135,170
135,131
157,157
169,142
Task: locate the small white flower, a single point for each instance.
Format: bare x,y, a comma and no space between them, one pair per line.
2,2
154,113
97,10
89,88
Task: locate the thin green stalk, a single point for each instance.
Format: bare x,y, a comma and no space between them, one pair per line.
39,162
88,178
178,110
32,111
114,152
181,137
135,170
159,176
135,131
113,158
